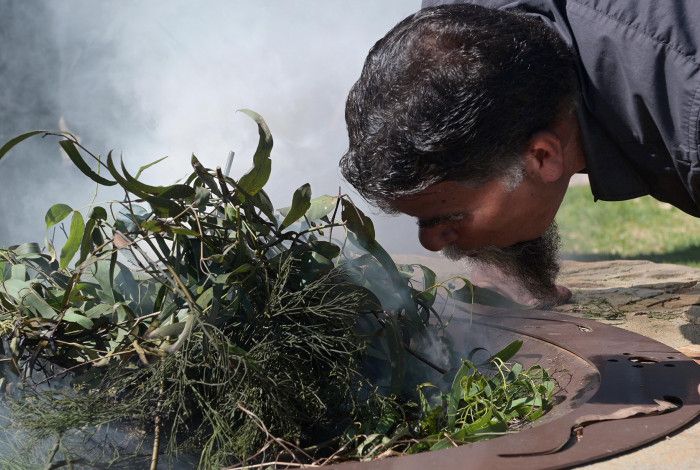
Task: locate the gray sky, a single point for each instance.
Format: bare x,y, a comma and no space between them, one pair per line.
156,78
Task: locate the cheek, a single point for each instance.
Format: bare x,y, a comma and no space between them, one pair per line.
499,224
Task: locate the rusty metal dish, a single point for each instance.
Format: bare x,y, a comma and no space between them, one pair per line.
609,378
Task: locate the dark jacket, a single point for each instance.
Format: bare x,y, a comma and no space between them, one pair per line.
639,70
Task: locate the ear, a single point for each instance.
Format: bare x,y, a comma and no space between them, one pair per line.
544,157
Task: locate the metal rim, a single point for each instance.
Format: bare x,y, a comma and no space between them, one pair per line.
609,406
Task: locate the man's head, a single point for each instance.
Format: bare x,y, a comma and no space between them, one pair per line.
462,117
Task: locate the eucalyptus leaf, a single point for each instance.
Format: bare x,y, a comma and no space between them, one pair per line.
16,140
56,214
508,352
321,206
75,237
301,201
73,153
74,316
257,177
327,249
86,243
143,187
37,304
262,202
99,311
16,288
147,166
172,329
98,213
358,223
19,271
30,250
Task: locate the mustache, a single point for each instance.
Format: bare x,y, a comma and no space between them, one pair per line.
533,263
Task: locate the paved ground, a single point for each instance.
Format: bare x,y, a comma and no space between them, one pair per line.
661,301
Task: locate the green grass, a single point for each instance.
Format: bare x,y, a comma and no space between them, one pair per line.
642,228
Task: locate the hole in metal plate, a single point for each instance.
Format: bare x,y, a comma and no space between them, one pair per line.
642,360
673,399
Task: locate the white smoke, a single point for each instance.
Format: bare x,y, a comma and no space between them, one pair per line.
149,79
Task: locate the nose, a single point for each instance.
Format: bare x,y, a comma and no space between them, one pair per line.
437,238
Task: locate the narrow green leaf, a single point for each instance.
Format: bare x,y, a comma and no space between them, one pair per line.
429,293
257,177
358,223
18,271
205,298
154,190
164,207
12,142
148,165
30,250
129,186
161,206
202,196
154,226
73,316
321,206
262,201
301,201
327,249
176,191
429,277
99,311
204,176
184,231
37,304
442,444
508,352
104,275
16,288
86,242
75,237
56,214
456,391
98,213
171,329
77,159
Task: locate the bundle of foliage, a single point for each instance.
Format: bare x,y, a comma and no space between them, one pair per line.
200,321
479,405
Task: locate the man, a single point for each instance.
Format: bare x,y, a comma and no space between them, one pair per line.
473,118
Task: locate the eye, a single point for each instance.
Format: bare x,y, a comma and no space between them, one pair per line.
428,223
435,221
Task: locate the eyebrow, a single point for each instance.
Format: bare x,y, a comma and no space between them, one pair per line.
440,219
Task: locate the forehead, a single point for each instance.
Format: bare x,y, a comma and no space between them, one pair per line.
441,198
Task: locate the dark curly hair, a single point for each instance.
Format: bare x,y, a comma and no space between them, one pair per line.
453,92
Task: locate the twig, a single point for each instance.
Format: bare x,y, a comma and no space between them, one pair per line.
157,423
83,364
274,464
53,452
284,444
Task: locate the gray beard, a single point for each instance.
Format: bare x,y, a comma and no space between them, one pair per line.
532,263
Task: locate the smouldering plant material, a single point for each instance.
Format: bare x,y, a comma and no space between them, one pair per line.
479,405
194,320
